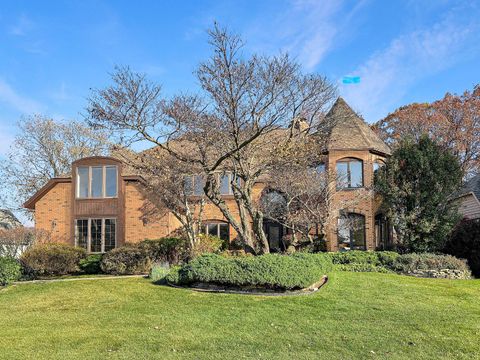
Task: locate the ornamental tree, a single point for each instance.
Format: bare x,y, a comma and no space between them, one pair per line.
453,122
416,184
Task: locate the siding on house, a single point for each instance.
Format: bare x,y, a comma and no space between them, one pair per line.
469,206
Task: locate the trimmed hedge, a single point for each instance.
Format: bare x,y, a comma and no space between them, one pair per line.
52,259
126,260
91,264
375,258
10,270
270,271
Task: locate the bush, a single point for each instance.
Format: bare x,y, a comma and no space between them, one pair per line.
170,250
363,268
465,243
207,244
159,273
10,270
375,258
267,271
52,259
126,260
409,263
91,264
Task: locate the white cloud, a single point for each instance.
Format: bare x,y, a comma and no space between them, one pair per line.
16,101
389,73
309,30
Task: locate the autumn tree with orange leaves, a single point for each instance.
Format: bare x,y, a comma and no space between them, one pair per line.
453,122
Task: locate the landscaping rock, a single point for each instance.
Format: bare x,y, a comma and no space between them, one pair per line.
441,274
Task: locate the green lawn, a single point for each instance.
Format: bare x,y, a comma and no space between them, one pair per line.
355,316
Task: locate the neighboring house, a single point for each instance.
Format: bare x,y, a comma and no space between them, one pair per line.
469,198
8,220
100,207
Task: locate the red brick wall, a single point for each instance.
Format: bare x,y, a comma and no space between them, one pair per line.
53,213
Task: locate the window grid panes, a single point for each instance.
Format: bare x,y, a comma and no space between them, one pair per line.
95,235
97,181
81,233
110,234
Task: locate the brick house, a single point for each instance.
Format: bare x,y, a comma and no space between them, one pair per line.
99,207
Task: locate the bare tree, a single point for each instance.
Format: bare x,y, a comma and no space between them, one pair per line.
44,149
165,183
238,123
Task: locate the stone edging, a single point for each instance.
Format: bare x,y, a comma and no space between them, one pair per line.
225,290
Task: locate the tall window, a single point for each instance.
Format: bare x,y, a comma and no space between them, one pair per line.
349,173
351,232
219,229
95,235
97,181
193,184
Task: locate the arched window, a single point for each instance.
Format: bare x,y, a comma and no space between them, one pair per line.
349,173
351,232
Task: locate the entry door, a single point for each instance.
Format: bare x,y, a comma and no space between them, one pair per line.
274,234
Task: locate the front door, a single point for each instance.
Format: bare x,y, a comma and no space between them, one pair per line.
274,233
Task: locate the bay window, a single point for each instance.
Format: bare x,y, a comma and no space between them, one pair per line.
95,235
349,173
97,181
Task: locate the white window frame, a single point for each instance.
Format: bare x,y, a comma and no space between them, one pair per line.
89,233
90,179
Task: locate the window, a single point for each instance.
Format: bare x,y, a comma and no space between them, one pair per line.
96,181
193,184
320,168
95,235
226,183
349,173
376,166
351,232
221,230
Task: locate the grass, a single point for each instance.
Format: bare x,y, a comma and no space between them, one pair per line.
355,316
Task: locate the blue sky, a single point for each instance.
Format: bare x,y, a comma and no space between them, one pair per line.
53,52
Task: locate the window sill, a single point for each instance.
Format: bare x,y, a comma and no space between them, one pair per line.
96,198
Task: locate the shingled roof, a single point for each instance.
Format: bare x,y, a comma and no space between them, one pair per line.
350,132
471,186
